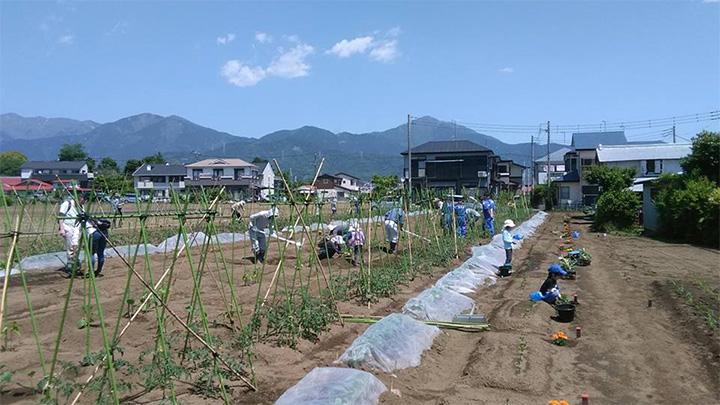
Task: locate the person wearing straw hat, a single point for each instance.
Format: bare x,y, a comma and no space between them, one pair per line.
507,238
256,230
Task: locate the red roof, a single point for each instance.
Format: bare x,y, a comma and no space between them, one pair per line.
10,184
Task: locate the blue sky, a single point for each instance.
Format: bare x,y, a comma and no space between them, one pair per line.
250,68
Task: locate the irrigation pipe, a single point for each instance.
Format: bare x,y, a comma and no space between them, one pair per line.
416,235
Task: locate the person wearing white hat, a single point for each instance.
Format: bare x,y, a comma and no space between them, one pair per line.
507,238
256,230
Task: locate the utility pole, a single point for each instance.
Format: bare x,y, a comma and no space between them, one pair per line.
549,196
673,133
409,163
532,161
454,130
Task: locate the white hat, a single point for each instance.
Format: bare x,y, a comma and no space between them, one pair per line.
274,212
331,227
509,223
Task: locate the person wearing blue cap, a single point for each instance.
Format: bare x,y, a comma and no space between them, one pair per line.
550,290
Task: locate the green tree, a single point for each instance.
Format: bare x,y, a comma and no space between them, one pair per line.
131,165
705,157
108,166
156,159
540,194
383,185
617,210
91,164
72,153
610,178
10,163
689,208
259,160
113,183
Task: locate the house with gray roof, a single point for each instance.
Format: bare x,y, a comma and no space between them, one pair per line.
573,189
557,166
58,172
451,164
157,180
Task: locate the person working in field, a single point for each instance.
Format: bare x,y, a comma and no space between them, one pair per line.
472,216
70,231
97,231
117,210
356,240
460,213
259,222
238,209
550,289
507,238
394,221
488,206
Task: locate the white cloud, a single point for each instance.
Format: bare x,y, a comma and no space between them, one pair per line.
263,37
66,39
293,38
347,48
506,70
291,63
242,75
394,32
379,49
385,52
226,39
288,64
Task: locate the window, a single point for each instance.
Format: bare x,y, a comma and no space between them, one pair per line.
502,168
325,181
564,193
217,173
239,173
196,173
587,162
573,164
650,165
560,168
590,189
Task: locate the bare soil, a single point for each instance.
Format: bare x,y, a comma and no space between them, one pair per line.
628,353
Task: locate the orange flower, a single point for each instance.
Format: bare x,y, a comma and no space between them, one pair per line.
554,403
555,335
563,403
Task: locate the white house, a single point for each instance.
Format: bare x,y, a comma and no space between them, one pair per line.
573,189
240,178
267,180
348,182
648,160
155,180
557,166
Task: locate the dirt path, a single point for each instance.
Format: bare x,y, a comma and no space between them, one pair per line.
628,353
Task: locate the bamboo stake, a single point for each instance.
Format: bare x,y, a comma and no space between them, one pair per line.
292,232
476,327
305,229
7,271
454,230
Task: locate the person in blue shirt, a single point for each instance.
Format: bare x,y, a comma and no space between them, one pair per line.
507,238
460,222
550,290
488,206
394,220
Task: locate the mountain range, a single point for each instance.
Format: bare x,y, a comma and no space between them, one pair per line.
298,150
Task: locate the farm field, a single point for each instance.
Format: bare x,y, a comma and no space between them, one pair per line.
628,352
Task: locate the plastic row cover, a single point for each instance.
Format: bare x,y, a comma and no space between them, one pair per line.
395,342
330,385
466,279
437,304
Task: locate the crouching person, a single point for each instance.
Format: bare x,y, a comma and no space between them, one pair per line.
394,221
356,241
256,230
550,289
329,246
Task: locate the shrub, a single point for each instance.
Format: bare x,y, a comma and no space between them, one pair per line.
617,210
540,195
689,208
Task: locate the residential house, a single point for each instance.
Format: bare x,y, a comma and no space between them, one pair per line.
649,162
573,189
450,164
329,187
557,166
58,173
348,181
509,175
267,180
240,178
157,180
12,185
